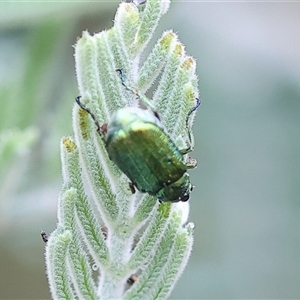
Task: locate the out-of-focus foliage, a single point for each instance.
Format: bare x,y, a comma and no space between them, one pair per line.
14,148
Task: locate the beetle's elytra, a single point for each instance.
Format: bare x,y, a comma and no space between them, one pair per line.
137,143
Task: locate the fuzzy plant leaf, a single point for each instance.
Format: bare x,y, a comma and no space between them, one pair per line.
111,243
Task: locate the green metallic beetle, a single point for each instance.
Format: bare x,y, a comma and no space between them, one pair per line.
137,143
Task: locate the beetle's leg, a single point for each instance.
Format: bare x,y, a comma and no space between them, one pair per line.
191,163
186,150
100,129
132,187
141,97
190,134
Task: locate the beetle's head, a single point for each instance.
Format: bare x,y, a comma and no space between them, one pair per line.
177,191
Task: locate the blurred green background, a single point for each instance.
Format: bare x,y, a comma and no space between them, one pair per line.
246,203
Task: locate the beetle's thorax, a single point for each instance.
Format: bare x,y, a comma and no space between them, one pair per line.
123,117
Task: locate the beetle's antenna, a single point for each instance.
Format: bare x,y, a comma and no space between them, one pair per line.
141,97
198,103
77,99
191,137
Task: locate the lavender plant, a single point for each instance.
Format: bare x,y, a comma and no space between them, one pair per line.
106,236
